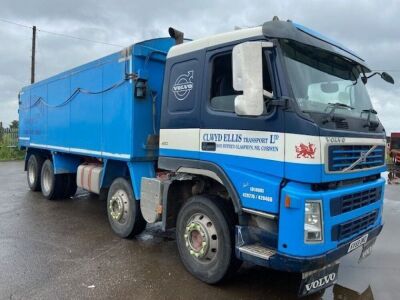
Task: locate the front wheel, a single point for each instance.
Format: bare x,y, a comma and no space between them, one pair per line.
205,239
123,210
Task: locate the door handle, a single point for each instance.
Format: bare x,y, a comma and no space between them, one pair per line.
208,146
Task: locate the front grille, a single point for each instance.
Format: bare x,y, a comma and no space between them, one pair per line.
354,201
345,230
342,157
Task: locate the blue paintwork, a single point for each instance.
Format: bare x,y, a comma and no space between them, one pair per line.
291,234
243,172
65,163
108,125
139,169
103,125
266,174
294,263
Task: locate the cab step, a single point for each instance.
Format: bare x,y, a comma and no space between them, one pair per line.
257,250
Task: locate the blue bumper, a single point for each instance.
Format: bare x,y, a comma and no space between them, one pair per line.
349,212
292,263
291,239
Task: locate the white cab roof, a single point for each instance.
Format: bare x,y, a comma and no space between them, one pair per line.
214,40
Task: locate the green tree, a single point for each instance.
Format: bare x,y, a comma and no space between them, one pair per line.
14,124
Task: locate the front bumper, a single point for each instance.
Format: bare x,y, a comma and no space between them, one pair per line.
291,263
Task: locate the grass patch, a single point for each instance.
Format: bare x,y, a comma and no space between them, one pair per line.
7,149
11,153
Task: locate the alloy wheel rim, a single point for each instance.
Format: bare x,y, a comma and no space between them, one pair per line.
201,238
31,173
47,180
119,206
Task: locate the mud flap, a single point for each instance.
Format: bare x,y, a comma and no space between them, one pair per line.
317,280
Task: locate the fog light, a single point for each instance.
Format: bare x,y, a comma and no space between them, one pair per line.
313,221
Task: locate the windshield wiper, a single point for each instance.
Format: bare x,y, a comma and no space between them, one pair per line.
331,114
369,124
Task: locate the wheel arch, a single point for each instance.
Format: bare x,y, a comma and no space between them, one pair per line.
134,171
185,184
202,168
112,169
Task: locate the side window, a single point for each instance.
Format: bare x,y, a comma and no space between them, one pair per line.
267,82
222,92
222,95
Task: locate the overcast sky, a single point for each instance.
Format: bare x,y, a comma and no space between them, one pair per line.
370,28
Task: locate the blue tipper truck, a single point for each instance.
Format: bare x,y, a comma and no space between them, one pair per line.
256,145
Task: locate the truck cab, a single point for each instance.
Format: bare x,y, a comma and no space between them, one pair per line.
279,116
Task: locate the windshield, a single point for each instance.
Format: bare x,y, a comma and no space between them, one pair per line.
320,79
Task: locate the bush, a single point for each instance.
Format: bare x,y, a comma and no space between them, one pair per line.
7,153
8,148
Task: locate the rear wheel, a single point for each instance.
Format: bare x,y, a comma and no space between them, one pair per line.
34,169
53,186
123,210
205,239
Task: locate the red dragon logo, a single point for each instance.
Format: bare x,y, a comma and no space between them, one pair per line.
305,151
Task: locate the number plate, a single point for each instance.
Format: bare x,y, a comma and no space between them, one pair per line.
367,249
357,243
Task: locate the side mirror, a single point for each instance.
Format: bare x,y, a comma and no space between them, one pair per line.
247,74
385,76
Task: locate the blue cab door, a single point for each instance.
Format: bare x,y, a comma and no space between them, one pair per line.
250,150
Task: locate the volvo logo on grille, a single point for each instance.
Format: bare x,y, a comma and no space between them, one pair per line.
361,159
363,156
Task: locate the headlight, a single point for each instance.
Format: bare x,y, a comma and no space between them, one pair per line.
313,221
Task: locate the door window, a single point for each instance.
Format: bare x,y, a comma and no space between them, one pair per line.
222,94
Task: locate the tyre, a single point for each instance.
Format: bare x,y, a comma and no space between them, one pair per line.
52,185
34,169
205,239
123,210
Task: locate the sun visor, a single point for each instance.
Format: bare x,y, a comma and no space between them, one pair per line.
302,34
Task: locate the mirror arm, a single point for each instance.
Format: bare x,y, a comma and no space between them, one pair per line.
373,74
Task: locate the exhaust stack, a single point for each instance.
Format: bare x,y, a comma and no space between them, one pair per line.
176,34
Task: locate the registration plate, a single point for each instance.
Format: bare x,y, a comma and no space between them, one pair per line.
357,243
367,249
317,280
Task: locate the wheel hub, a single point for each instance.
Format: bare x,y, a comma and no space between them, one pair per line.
31,172
200,237
47,178
118,206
